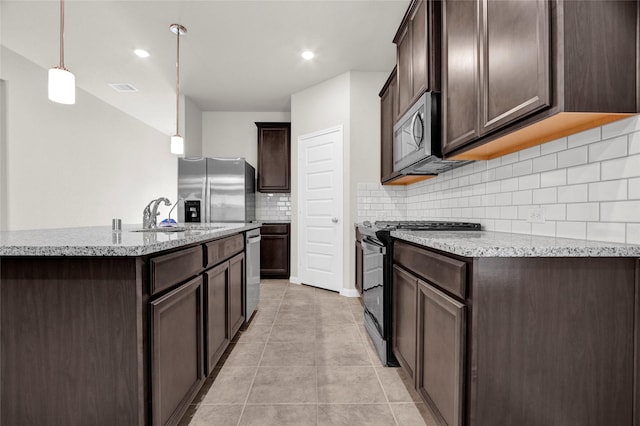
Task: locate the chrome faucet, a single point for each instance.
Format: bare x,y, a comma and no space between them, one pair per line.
150,213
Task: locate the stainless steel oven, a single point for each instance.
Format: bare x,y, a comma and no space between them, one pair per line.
377,247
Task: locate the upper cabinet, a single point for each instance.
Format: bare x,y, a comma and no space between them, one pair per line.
520,73
418,64
274,157
388,114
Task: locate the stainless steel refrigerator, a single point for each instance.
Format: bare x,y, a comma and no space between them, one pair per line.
216,190
223,190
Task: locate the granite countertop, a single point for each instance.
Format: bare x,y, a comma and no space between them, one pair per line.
102,241
503,244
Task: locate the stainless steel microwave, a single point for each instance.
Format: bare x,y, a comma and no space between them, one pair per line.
417,147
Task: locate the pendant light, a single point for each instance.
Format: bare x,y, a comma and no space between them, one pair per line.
177,141
62,83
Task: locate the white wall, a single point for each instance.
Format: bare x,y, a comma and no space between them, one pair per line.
234,134
192,119
75,165
587,184
350,100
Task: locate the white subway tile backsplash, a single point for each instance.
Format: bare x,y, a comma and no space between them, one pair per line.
545,196
602,231
633,233
621,127
634,143
621,168
544,163
589,212
606,150
598,199
573,157
609,190
553,146
576,230
583,138
553,178
582,174
572,193
529,182
620,211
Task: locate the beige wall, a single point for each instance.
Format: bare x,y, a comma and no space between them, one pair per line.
234,134
192,119
349,100
75,165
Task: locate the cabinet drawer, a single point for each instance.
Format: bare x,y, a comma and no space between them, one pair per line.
445,272
219,250
279,228
175,267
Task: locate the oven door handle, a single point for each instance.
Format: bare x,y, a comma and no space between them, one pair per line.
374,247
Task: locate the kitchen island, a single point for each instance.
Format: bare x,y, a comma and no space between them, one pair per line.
114,328
504,329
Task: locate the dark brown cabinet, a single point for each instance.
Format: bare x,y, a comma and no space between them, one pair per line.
388,114
441,349
274,157
275,250
494,337
216,313
236,293
404,321
520,73
417,42
176,348
496,65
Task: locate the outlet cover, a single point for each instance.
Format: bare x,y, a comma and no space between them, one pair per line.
536,215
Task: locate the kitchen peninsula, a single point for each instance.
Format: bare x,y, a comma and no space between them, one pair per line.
104,328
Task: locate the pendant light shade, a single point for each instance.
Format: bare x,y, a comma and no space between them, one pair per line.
177,145
62,83
177,141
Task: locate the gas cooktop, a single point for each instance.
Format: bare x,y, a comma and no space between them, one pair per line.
422,225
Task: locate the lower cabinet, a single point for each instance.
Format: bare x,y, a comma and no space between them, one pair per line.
176,351
275,250
236,293
441,348
404,319
359,268
217,325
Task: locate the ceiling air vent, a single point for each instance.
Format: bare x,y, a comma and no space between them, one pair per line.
123,87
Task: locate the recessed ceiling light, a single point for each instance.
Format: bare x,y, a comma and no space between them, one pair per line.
141,53
308,55
123,87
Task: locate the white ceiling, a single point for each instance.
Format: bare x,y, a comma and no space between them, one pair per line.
237,55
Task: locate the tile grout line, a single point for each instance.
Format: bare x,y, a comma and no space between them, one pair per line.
244,406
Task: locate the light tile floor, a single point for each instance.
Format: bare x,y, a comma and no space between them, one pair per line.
305,359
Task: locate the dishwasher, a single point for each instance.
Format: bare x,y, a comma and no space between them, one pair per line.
252,272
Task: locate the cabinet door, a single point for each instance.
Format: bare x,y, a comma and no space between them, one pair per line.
419,50
216,314
387,120
441,345
176,351
274,256
459,73
403,340
404,75
359,267
274,157
514,49
236,293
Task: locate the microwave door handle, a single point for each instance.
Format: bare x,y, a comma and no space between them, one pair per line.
413,126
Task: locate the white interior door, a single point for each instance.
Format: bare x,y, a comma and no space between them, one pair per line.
320,209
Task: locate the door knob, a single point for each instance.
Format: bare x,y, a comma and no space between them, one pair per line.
334,219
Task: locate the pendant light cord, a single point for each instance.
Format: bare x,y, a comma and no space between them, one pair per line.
61,35
178,83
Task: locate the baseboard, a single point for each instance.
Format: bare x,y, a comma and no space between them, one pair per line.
295,280
349,292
